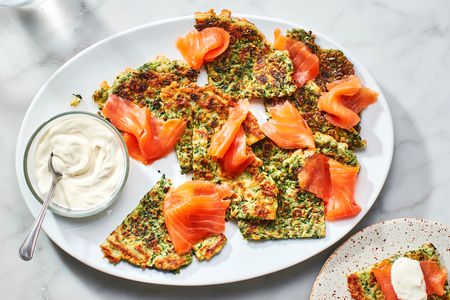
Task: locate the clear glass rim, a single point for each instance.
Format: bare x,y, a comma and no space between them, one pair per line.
62,210
18,4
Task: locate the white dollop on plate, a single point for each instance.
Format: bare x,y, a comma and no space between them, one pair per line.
373,244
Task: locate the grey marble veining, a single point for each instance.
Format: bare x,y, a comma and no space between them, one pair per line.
404,44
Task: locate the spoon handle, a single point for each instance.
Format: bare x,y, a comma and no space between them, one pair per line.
27,249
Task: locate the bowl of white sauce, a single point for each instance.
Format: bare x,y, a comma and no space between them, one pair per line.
90,154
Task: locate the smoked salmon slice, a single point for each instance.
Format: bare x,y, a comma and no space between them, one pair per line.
165,136
287,128
333,182
435,277
223,139
315,176
147,138
331,102
383,276
341,203
361,100
133,148
350,80
127,116
306,63
238,157
199,46
345,99
194,211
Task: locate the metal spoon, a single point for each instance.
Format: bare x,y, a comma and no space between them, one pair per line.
27,249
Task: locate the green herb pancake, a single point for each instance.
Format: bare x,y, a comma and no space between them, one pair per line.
206,249
363,284
143,240
334,65
300,214
150,85
256,195
179,101
256,192
306,37
250,67
306,99
144,84
338,151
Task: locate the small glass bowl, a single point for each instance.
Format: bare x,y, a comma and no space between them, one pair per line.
29,168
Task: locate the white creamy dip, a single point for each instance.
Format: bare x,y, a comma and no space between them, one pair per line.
87,153
407,279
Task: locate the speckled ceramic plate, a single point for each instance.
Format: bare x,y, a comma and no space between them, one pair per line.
375,243
240,259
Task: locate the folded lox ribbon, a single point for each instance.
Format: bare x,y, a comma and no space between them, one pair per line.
147,138
306,63
200,46
288,129
345,99
194,211
333,182
229,144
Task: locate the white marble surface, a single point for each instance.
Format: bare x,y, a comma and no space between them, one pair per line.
404,44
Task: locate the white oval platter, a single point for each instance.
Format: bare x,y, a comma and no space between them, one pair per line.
240,259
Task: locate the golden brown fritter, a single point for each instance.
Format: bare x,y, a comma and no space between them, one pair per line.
306,99
252,129
250,67
306,37
256,195
177,102
299,214
334,65
143,85
206,249
142,239
155,85
256,192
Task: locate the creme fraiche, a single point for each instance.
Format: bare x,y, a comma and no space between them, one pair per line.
407,279
90,156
